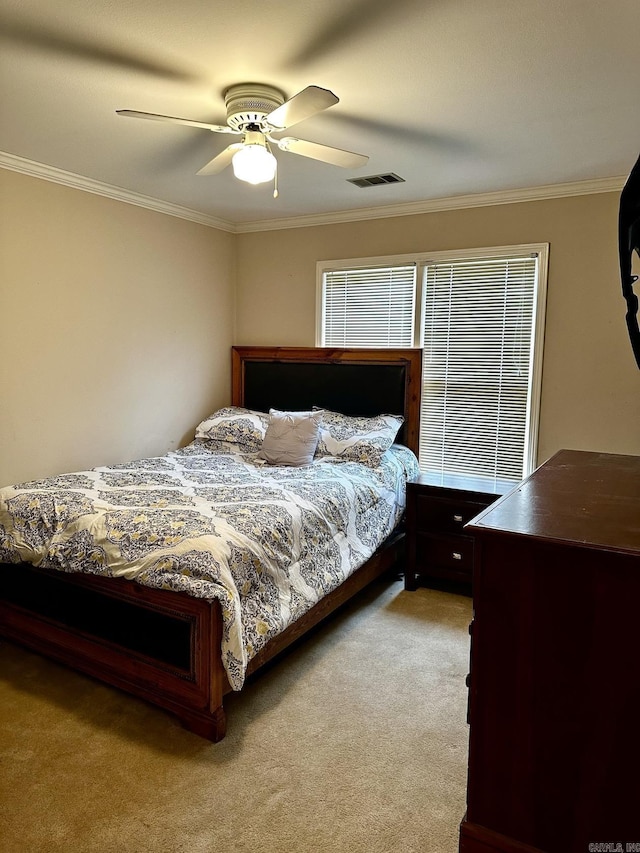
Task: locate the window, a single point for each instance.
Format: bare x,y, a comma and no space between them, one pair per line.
369,307
479,316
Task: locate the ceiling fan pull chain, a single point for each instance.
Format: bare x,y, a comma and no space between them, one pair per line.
275,182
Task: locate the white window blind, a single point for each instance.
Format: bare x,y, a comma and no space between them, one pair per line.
479,316
369,307
478,335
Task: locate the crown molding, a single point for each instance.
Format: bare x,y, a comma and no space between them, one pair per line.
550,191
78,182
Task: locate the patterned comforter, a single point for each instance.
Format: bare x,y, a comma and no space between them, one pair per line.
267,542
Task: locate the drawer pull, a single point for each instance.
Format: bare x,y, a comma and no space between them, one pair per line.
458,518
457,555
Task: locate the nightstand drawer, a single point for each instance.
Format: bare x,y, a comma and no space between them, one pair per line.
445,516
447,552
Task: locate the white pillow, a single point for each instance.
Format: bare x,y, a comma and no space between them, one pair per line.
291,438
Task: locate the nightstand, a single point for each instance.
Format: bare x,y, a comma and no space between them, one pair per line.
437,545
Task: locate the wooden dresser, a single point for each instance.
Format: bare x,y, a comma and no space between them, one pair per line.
554,751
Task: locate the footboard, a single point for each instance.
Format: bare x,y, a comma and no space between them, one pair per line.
156,644
160,645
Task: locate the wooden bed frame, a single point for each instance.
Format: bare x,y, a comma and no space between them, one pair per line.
164,646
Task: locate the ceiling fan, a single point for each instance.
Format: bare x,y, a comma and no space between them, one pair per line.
255,112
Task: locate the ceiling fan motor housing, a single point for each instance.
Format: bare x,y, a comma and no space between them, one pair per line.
250,103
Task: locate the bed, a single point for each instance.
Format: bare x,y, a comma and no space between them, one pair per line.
146,632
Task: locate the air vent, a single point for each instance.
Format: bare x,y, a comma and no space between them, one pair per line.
376,180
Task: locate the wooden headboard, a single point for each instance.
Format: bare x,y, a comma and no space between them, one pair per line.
361,382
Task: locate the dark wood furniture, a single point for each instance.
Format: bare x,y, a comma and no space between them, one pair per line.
164,646
554,752
437,543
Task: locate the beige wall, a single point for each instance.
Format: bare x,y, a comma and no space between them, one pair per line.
591,385
117,321
116,328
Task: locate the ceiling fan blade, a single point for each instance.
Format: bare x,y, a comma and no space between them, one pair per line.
216,128
306,103
411,134
335,156
352,22
38,37
222,160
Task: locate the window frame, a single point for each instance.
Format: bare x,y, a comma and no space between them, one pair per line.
423,259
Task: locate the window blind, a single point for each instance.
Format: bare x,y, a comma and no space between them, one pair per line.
478,337
369,307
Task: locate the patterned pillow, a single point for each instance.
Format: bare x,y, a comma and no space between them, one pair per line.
291,438
357,439
235,428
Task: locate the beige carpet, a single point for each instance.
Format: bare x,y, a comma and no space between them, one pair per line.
355,741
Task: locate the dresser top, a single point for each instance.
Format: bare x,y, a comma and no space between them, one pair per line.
576,497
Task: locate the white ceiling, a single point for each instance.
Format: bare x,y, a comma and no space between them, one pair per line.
459,97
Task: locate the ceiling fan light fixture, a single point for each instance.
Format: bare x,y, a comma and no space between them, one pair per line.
255,111
254,163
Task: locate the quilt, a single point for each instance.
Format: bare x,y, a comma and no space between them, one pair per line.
266,541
